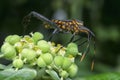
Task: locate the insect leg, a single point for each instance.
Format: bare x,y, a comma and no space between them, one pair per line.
86,51
87,48
36,15
27,18
54,32
82,43
77,39
71,39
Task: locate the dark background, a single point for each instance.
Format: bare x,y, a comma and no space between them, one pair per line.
101,16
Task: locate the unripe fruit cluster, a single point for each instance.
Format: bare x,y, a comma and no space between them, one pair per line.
34,51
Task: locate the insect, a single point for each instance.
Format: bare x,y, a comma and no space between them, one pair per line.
74,26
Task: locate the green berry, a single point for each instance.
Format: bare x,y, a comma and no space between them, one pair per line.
44,46
58,60
64,74
18,63
24,52
72,70
4,46
29,54
41,62
66,63
37,36
12,39
72,49
8,51
48,58
72,45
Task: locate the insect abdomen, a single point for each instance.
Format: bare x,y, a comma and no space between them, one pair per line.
67,25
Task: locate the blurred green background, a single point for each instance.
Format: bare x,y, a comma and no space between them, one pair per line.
101,16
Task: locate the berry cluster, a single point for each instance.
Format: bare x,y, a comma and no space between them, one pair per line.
32,50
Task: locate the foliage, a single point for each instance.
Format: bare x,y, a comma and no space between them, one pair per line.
104,76
32,56
22,74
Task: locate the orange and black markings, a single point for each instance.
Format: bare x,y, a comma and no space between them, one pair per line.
73,26
68,25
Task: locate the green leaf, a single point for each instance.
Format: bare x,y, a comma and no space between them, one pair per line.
104,76
53,74
2,66
23,74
